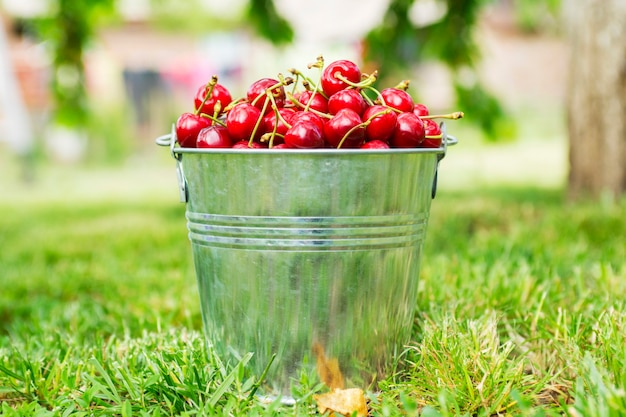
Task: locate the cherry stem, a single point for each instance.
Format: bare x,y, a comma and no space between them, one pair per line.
319,63
296,74
269,137
367,82
380,113
308,103
403,85
208,91
233,104
281,118
302,106
379,96
217,108
305,80
453,116
349,132
278,117
258,122
213,118
363,124
315,90
439,136
367,98
268,91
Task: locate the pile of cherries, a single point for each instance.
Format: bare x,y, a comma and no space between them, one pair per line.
335,111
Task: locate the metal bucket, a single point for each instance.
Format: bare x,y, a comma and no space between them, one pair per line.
308,255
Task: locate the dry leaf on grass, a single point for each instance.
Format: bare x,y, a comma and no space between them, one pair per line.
339,400
328,368
343,402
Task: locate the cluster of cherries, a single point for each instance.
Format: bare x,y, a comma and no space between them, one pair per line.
296,112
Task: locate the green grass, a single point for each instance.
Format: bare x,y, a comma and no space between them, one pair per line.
521,311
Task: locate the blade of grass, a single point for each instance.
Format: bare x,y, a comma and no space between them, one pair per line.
228,381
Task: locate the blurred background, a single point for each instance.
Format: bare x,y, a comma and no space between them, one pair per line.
86,87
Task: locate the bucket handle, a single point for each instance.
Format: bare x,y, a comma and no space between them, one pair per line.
169,139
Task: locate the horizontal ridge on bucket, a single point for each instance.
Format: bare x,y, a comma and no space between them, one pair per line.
306,233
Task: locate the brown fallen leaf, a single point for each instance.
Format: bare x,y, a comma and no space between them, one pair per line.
343,402
328,368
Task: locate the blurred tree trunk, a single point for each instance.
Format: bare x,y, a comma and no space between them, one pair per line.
596,103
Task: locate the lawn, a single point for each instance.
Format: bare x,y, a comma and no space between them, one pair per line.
521,308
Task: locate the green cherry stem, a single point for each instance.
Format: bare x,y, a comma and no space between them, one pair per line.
296,103
268,91
269,138
379,96
453,116
208,91
319,64
367,99
403,85
363,124
278,116
305,79
258,123
349,132
365,83
233,104
380,113
213,118
297,74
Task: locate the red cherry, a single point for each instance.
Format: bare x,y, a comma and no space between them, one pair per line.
409,132
431,128
219,93
241,120
187,127
347,99
281,146
397,99
270,120
347,69
375,144
382,122
244,144
420,110
335,129
215,136
257,91
315,101
304,134
307,115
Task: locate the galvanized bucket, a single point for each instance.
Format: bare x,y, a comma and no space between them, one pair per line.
304,256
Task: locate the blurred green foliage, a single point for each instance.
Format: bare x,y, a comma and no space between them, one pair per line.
397,45
67,31
268,23
536,16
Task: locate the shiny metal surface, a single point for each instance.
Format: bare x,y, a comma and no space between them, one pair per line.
308,255
295,251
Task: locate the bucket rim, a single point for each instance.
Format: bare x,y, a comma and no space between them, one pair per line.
170,141
318,151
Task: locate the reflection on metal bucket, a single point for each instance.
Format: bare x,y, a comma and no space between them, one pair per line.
301,248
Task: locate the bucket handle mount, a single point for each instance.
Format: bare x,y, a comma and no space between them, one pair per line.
169,139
